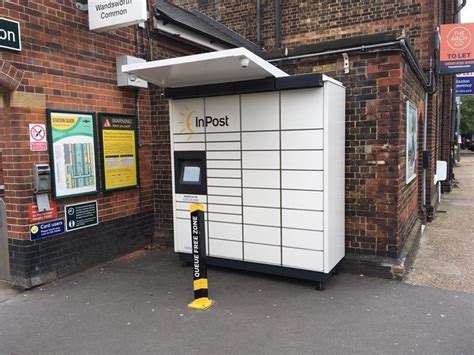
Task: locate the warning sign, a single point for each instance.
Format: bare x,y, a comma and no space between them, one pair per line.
119,138
38,137
35,216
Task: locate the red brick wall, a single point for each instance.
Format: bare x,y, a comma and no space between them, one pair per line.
168,48
310,21
68,67
375,135
238,15
411,199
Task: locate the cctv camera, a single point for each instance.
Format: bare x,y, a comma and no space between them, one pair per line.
244,62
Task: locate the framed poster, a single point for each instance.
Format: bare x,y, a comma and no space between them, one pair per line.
118,151
411,141
72,153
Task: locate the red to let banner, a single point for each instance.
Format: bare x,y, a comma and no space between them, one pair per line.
457,48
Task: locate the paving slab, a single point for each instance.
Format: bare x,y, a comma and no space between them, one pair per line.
138,305
445,255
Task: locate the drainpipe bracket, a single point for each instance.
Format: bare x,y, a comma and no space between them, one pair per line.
82,6
345,56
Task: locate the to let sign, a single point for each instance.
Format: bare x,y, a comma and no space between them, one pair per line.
107,15
10,36
457,48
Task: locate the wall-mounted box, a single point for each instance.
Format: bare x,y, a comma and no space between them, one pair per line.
41,178
129,80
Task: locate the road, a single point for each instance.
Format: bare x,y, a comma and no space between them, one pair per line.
137,305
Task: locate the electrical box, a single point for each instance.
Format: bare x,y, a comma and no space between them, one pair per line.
266,158
129,80
41,178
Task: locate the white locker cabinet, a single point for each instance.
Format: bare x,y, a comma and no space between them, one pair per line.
271,160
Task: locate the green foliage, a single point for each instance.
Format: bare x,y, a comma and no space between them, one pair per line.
467,115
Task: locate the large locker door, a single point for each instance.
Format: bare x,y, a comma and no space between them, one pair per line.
261,177
223,148
302,164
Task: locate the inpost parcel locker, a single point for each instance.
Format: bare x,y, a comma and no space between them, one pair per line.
266,158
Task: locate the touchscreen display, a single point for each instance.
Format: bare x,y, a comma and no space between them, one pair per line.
191,174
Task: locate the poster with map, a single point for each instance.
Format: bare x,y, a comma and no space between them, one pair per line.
72,153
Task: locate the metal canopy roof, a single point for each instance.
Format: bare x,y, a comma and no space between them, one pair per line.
207,68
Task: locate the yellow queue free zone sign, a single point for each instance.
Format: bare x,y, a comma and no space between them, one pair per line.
119,151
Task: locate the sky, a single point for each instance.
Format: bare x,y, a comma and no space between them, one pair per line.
467,13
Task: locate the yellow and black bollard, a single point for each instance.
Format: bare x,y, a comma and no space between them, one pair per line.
200,284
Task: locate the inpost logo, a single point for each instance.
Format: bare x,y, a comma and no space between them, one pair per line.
186,122
189,121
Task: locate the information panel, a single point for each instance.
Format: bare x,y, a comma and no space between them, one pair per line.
119,154
46,229
72,150
81,215
465,84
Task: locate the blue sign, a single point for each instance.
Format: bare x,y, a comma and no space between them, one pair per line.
464,85
47,229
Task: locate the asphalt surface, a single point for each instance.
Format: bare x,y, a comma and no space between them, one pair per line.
445,256
138,305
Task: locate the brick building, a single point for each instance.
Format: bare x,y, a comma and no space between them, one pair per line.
382,51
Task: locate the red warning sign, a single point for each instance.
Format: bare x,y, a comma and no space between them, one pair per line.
107,124
38,137
35,216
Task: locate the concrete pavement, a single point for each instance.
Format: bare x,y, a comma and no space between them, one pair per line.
445,255
137,305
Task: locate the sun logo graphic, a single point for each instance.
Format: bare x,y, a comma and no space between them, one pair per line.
185,122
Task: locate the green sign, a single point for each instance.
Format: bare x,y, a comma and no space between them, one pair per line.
10,36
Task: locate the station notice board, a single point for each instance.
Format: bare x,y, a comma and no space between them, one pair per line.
72,153
119,151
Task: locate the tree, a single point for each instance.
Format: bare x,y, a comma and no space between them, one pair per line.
467,115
